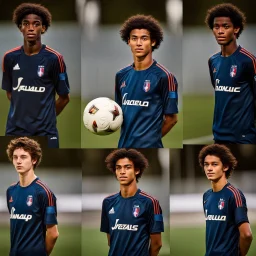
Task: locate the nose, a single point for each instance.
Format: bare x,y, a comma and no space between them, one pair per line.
220,30
30,27
139,41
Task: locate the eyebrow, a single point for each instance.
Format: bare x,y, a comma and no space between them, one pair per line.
119,165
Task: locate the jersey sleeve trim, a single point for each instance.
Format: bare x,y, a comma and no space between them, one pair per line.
171,83
12,50
60,58
237,196
48,192
248,54
154,201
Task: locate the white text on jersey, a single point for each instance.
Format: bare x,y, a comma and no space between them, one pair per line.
27,88
215,217
134,102
124,226
25,217
222,88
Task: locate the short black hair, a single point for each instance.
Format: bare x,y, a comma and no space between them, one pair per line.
223,153
139,160
236,16
30,8
141,21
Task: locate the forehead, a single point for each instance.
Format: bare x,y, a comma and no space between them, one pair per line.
124,161
211,158
140,32
32,17
222,20
20,151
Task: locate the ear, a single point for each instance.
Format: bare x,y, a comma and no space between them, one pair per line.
43,29
34,161
153,43
236,30
137,171
225,168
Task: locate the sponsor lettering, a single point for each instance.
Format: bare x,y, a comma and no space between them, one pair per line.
222,88
25,217
215,217
27,88
124,226
134,102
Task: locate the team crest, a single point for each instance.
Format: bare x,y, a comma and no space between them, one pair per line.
146,86
221,204
29,200
136,211
233,70
40,71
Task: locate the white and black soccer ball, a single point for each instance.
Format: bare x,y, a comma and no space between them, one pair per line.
102,116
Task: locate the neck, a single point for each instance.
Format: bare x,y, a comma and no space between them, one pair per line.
227,50
31,48
27,178
219,185
128,190
142,63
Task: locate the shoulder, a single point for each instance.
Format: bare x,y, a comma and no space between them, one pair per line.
247,56
162,70
236,194
214,57
207,194
52,53
12,52
124,70
12,186
150,200
43,190
111,197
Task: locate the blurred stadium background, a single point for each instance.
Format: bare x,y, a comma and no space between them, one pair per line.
61,171
99,182
187,185
198,45
63,36
103,53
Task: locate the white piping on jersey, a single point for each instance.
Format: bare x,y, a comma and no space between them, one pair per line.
134,102
25,217
27,88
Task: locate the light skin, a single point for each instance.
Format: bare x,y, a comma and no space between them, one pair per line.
141,44
225,34
32,28
126,175
24,165
215,171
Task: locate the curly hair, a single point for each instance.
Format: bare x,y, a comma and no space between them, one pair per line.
29,8
139,160
29,145
236,16
141,21
223,153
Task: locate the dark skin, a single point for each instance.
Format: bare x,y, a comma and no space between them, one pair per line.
32,28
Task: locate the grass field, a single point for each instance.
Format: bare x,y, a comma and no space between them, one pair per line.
89,140
197,115
68,123
68,243
191,241
94,243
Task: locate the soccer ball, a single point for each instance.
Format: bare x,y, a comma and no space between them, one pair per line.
102,116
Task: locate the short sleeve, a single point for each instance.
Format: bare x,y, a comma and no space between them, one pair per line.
156,224
104,227
48,206
169,93
60,77
118,99
7,75
210,71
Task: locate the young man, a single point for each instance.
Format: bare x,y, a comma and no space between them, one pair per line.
131,218
227,226
31,204
233,76
146,91
32,75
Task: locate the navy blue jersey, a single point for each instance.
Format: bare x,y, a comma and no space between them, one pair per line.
129,222
31,209
33,82
233,79
145,97
224,211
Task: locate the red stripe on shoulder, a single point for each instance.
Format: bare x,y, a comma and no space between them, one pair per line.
171,83
110,195
154,201
48,192
237,195
60,58
248,54
12,50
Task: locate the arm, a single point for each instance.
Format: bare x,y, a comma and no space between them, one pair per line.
51,237
245,238
61,103
9,95
155,244
108,237
169,122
